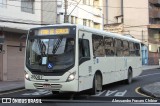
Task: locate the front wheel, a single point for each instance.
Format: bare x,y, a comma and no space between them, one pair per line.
97,84
130,75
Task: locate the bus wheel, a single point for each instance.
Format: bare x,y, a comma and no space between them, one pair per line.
97,84
129,79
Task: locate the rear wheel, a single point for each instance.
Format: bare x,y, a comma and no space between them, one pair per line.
97,84
130,75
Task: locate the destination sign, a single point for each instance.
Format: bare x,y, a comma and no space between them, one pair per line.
53,31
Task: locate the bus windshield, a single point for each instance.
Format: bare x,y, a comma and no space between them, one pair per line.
49,55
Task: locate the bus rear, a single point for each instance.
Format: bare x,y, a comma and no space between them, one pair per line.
50,61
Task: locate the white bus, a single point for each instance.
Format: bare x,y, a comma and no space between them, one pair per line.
74,58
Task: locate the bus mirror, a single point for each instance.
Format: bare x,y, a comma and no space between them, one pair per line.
21,44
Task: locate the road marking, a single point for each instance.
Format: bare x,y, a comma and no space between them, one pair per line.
136,90
100,93
12,92
148,75
110,92
120,93
39,92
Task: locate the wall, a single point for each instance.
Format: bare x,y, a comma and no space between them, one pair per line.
49,15
136,13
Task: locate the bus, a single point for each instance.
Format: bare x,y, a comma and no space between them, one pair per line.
74,58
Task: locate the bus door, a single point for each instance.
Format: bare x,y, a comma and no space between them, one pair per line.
85,60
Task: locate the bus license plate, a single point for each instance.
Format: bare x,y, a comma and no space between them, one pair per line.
47,86
37,77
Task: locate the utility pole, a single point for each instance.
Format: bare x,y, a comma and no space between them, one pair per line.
65,14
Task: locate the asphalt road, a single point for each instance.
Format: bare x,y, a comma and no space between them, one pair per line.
118,90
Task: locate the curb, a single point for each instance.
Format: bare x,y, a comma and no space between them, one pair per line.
9,90
142,89
151,68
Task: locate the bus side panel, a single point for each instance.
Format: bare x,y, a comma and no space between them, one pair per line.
120,68
109,70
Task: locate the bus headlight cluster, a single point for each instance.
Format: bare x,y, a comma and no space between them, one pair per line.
71,77
27,76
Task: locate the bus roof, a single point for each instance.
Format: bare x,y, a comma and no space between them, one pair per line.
97,31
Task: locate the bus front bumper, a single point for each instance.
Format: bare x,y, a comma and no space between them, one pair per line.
71,86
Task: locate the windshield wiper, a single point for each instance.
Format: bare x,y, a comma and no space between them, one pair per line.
56,46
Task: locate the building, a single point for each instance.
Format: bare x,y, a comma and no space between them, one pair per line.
16,17
84,12
138,18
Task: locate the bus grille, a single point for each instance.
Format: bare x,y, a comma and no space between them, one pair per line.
52,86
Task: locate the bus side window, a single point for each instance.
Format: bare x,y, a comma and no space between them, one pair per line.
131,49
119,47
137,49
125,48
84,50
98,46
109,46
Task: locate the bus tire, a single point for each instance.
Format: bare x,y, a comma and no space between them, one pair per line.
130,75
97,84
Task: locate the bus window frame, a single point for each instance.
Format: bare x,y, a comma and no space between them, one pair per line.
113,47
93,46
83,46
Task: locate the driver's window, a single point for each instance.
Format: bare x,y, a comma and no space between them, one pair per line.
84,50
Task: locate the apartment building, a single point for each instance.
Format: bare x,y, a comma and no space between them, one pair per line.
138,18
16,17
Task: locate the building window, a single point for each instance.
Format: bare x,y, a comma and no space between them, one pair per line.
96,3
72,19
84,22
76,20
96,25
27,6
89,23
84,1
3,3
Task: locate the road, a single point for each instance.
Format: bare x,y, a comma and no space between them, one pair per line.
110,91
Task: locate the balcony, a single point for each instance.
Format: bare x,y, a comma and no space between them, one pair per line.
154,13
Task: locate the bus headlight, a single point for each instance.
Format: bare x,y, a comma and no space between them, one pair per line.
71,77
27,76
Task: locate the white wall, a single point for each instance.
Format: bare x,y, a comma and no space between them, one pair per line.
137,15
13,13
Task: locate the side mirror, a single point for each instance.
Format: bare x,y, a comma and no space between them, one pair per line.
21,43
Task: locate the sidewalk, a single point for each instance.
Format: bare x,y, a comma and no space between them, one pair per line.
147,67
14,85
11,85
152,90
